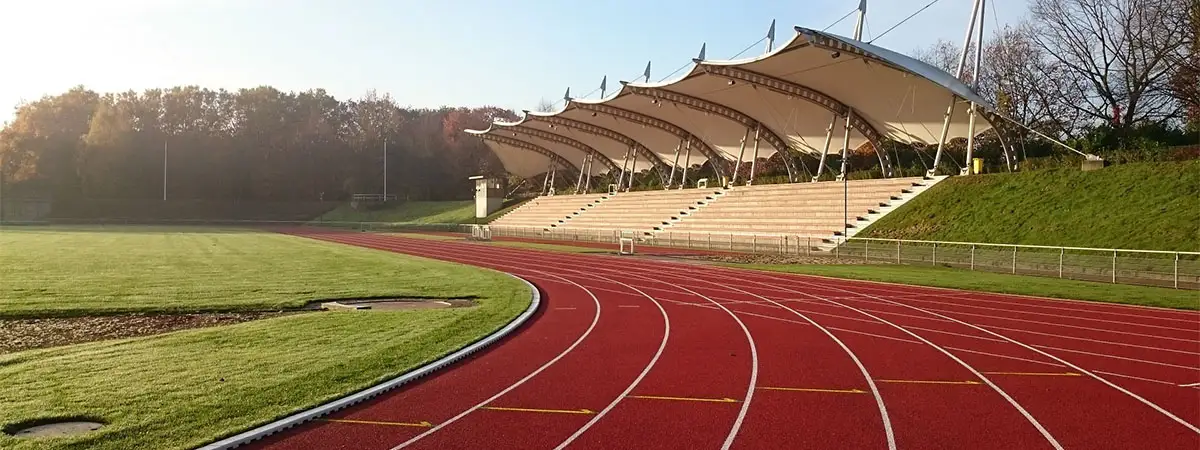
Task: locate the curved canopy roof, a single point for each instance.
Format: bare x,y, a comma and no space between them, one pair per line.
788,97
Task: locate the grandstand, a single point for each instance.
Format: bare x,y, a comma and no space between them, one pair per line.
721,114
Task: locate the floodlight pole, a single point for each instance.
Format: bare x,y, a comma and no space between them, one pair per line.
825,149
385,169
164,170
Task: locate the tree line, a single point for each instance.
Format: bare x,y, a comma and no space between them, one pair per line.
1120,78
251,144
1103,75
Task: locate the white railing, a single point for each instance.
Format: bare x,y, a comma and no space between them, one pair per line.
1127,266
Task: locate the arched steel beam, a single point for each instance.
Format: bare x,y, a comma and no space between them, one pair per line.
604,132
559,139
813,96
554,157
644,120
706,106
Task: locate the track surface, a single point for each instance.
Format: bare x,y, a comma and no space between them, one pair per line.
635,353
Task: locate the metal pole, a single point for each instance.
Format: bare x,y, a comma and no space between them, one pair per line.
624,165
825,149
754,161
671,180
1176,271
164,170
897,252
975,84
845,177
385,169
862,17
972,256
741,153
1014,267
935,253
1114,275
632,168
686,162
582,168
1061,252
866,251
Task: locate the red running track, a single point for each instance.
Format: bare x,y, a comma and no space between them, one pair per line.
634,353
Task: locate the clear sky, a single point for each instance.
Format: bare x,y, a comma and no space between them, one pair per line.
425,53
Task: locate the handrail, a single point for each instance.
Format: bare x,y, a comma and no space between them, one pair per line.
1046,247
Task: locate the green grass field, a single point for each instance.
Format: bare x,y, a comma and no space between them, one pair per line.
1151,206
183,389
996,282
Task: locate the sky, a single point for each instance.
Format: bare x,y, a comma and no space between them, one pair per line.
424,53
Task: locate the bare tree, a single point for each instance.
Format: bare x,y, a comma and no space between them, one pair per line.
945,55
544,105
1025,84
1115,55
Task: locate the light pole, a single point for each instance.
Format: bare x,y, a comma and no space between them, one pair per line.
385,169
164,170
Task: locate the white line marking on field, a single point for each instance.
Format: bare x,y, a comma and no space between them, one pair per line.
628,306
1190,385
566,308
1005,356
1168,383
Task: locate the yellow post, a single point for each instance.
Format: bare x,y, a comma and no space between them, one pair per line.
978,165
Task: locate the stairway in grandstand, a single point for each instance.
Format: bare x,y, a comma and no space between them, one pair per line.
546,211
802,210
642,211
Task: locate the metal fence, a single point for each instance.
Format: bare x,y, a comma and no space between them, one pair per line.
1126,266
1179,270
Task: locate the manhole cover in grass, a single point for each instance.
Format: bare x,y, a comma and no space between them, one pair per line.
52,428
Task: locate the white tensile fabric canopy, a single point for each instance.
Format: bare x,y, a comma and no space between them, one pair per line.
789,98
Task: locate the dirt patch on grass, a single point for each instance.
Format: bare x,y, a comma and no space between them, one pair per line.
25,334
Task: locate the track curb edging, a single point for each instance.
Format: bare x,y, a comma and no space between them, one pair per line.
301,417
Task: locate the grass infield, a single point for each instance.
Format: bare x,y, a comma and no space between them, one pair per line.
187,388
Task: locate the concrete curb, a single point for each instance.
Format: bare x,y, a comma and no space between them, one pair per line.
301,417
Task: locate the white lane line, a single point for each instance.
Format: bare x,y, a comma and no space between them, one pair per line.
958,334
971,297
1102,355
737,424
1168,383
875,335
1045,433
566,308
1052,324
1005,356
1018,330
1119,322
887,422
662,345
595,319
1190,385
1065,362
628,306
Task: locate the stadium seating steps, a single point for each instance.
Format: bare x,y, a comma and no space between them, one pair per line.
799,209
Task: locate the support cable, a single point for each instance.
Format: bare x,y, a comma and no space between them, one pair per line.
906,19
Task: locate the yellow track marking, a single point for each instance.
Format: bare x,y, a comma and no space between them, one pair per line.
1035,374
830,391
686,399
422,424
552,411
928,381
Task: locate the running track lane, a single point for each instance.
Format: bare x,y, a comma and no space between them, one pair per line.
752,435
